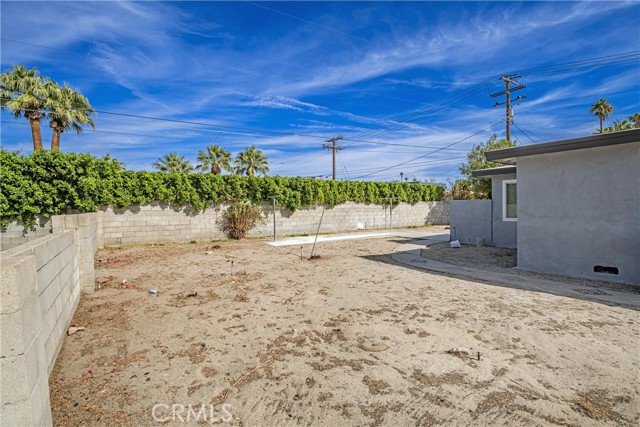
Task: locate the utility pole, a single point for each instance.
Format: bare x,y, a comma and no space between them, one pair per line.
334,148
509,79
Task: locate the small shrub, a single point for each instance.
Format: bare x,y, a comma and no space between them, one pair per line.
240,218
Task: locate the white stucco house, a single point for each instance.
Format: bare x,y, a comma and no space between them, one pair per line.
570,207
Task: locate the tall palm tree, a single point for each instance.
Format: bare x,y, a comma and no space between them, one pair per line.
214,158
25,93
619,125
68,109
250,161
635,120
173,163
603,109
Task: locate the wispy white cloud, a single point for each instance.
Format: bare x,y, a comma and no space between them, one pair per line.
166,60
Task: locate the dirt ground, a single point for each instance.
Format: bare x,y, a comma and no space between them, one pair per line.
349,339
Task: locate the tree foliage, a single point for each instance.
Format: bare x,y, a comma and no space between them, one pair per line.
48,183
173,163
26,93
601,109
480,188
251,161
214,158
68,109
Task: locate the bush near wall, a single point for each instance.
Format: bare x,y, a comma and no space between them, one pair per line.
49,183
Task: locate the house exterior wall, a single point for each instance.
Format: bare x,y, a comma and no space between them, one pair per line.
505,233
470,219
579,209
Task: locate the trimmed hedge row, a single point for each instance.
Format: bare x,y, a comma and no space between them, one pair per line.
48,183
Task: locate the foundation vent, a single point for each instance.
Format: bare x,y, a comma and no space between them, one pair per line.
605,269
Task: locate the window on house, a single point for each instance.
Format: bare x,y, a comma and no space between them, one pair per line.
509,200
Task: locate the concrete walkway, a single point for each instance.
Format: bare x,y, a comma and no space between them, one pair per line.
305,240
409,254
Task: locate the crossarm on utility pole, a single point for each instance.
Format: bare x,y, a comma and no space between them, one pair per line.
334,148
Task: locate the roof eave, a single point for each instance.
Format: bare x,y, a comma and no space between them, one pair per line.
510,155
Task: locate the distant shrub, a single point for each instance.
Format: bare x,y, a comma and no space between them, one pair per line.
240,218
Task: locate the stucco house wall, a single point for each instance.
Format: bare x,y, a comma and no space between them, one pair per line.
505,233
579,209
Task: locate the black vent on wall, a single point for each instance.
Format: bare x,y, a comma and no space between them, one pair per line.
605,269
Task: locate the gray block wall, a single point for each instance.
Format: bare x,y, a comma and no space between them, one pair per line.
470,220
15,234
579,209
86,227
158,222
40,289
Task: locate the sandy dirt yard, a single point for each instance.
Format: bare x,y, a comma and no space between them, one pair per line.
349,339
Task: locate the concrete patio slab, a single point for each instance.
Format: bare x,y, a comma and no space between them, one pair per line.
409,253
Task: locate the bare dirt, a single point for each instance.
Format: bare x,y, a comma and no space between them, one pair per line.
351,338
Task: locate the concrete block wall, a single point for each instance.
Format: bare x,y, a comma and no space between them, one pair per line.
15,234
40,290
86,227
159,222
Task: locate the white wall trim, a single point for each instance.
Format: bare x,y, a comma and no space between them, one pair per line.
504,199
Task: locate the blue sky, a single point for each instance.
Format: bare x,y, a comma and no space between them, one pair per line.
398,80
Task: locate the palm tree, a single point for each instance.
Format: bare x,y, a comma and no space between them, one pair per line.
25,93
619,125
214,158
173,163
603,109
250,161
68,109
635,120
117,163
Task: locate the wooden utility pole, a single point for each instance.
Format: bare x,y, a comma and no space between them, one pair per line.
334,148
508,80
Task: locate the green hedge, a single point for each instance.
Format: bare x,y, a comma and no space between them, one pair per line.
47,183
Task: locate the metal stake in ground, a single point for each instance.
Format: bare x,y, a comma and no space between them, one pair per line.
390,212
317,232
274,216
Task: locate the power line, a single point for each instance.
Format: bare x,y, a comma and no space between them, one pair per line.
421,167
432,152
345,173
212,125
523,132
324,27
612,59
416,165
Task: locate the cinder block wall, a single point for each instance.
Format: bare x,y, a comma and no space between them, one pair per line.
15,234
40,288
158,222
